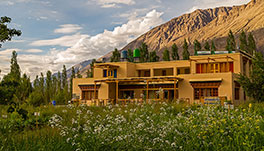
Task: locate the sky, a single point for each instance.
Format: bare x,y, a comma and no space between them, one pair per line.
58,32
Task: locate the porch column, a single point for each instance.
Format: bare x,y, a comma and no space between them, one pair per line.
94,90
116,91
147,91
175,82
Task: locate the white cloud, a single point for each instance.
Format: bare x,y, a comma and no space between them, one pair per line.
82,47
66,41
203,4
13,2
114,3
68,28
33,50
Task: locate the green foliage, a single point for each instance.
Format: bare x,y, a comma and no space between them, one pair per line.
35,99
166,55
197,46
185,53
254,84
174,52
130,57
72,77
134,127
6,33
48,89
144,53
78,74
207,46
59,81
230,42
115,56
64,77
243,41
252,48
213,48
153,57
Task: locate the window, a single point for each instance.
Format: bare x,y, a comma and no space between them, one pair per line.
143,73
183,70
163,72
205,92
89,95
214,67
111,73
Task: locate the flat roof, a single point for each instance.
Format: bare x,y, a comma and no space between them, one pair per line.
206,80
141,79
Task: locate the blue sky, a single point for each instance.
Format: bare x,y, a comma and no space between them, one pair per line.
57,32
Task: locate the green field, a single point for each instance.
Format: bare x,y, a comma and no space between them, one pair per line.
134,127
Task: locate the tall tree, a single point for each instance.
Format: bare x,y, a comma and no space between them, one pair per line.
251,44
72,77
207,46
59,82
230,42
115,56
130,57
42,85
166,55
78,74
174,52
153,57
64,77
197,46
15,69
213,48
48,87
144,53
6,33
185,53
253,85
243,41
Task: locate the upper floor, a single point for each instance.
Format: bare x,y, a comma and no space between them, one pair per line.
218,63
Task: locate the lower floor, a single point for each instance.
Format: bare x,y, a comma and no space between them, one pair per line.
188,88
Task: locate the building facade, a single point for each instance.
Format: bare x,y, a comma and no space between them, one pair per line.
189,80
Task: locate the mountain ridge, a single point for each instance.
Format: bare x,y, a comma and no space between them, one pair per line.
204,25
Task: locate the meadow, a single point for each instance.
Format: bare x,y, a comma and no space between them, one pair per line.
134,127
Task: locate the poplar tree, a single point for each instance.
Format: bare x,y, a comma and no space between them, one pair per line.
174,52
48,87
144,53
78,74
64,77
185,53
59,82
72,77
252,48
207,46
130,57
230,42
42,85
213,48
115,56
243,41
166,55
153,57
197,46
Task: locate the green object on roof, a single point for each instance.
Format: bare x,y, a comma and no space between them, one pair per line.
136,53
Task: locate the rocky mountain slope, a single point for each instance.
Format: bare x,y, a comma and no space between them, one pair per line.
205,25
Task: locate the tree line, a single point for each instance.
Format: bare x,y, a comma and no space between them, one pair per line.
246,44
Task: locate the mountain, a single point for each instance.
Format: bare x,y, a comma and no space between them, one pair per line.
82,67
205,25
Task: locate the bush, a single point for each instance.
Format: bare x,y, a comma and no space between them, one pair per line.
35,99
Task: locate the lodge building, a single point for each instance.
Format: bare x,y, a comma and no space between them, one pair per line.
210,75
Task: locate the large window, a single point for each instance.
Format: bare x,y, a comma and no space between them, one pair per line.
89,95
205,92
183,70
163,72
111,73
214,67
237,89
144,73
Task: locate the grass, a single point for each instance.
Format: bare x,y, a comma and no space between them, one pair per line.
135,127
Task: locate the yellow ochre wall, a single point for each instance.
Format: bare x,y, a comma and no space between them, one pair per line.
127,69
